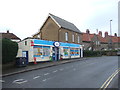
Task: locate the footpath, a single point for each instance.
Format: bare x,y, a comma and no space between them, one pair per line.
40,65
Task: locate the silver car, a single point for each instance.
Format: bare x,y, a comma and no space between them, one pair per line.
118,53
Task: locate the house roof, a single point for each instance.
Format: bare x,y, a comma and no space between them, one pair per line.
102,39
119,39
114,39
86,37
10,36
65,24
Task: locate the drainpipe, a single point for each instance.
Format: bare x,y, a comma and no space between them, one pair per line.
58,34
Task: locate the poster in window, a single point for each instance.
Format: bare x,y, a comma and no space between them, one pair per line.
65,50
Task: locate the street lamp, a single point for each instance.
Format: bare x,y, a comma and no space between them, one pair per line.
110,35
110,28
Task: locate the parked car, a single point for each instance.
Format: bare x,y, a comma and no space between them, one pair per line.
118,53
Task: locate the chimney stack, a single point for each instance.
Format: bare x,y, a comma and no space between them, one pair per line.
115,34
7,31
100,33
106,34
87,31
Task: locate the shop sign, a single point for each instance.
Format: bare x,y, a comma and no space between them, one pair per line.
56,44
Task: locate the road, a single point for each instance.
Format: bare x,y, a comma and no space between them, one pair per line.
89,73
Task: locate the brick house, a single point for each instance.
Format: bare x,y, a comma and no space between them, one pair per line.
10,36
56,39
113,41
100,42
86,40
57,29
94,41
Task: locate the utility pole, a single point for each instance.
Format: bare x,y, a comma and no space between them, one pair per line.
97,39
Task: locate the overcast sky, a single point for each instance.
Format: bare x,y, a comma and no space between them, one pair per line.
25,17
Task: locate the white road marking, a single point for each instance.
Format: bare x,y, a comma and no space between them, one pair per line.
46,73
108,81
36,77
20,81
44,80
2,81
55,71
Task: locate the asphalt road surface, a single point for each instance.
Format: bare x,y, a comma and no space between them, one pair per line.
89,73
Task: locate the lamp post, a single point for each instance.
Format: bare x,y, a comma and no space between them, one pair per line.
110,28
110,35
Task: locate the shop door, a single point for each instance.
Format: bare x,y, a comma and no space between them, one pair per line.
25,54
80,52
55,54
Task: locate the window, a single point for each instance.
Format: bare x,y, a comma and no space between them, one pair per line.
73,37
66,51
74,52
40,51
25,42
66,36
97,43
78,39
38,36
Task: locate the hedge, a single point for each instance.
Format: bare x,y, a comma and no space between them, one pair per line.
109,52
9,50
91,53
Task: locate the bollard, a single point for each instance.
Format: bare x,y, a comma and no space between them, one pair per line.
35,60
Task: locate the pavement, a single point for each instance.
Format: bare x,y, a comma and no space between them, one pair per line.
32,66
98,72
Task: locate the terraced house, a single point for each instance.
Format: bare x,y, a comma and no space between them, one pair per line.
113,41
98,42
93,41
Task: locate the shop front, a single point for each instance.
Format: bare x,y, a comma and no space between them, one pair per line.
43,50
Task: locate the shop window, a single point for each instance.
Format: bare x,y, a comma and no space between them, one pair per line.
41,51
65,50
74,51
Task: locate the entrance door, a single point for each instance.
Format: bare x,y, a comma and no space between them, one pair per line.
55,54
25,54
80,52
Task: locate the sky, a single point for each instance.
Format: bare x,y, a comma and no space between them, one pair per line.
25,17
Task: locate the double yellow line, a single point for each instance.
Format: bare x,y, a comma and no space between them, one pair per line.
108,81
